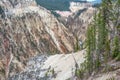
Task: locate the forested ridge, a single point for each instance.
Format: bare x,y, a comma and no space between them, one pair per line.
62,5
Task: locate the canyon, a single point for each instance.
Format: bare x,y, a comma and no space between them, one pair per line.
27,30
37,45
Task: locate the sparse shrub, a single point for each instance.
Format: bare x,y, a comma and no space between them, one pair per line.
112,78
77,47
79,72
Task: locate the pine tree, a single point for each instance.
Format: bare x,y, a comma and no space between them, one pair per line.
100,36
88,57
98,39
116,50
116,42
90,48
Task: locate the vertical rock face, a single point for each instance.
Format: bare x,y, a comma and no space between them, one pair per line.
26,30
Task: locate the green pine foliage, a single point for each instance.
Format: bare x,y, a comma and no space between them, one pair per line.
77,46
116,48
100,36
90,47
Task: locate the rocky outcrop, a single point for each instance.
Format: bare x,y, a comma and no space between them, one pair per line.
76,6
63,67
54,67
27,30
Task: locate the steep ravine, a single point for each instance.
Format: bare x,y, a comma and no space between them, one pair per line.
27,30
79,22
34,45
